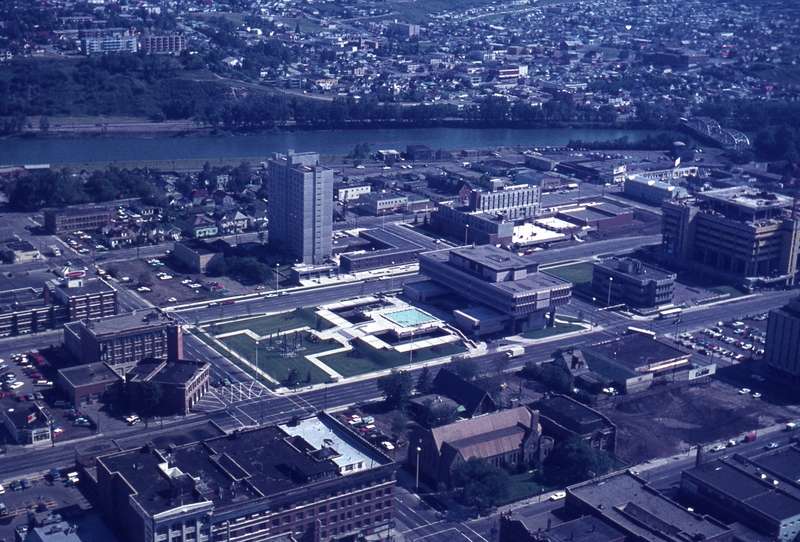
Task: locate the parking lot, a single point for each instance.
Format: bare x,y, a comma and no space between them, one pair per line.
47,499
731,341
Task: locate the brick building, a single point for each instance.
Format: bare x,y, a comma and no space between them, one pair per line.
71,219
182,382
311,479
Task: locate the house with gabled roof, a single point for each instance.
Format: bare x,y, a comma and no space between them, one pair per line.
501,438
472,399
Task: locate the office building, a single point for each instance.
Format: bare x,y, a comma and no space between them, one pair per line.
737,233
489,216
121,341
72,219
300,206
632,283
761,492
82,297
782,348
311,479
502,291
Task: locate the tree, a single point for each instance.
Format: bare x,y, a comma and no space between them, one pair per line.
150,394
479,483
466,368
396,388
424,381
44,124
399,424
575,461
437,414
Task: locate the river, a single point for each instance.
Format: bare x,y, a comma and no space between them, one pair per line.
46,151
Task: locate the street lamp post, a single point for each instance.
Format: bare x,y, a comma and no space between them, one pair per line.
257,367
610,280
416,482
277,278
466,234
411,349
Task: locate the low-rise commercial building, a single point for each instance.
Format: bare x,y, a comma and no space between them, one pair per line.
29,423
632,282
91,383
197,255
72,219
631,363
311,479
652,191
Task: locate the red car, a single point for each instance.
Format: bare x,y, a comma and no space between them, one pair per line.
4,394
36,376
21,398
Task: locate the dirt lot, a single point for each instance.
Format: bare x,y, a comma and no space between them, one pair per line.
669,421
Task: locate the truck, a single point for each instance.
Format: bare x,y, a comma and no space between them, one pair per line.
515,351
750,437
54,250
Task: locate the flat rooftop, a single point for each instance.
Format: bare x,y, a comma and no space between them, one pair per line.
91,373
627,501
199,247
128,322
491,257
762,495
637,352
90,286
166,372
747,197
639,269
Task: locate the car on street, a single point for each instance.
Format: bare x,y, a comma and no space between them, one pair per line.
718,448
744,391
771,446
756,395
558,495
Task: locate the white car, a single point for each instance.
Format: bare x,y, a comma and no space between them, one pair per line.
718,448
744,391
172,300
558,495
143,289
165,277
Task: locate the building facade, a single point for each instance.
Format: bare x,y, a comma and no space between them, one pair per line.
782,349
29,423
632,282
167,43
90,384
183,383
196,254
734,232
72,219
300,206
509,286
83,298
121,341
312,480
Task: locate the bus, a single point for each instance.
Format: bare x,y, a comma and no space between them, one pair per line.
670,313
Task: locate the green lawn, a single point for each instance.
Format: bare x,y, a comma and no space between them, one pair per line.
271,324
275,365
727,290
377,360
576,273
522,486
552,331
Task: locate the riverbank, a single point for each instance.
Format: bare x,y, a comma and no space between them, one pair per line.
166,146
131,127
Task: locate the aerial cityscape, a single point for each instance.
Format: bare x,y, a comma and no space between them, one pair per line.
351,271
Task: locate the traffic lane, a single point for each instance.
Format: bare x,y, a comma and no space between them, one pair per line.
594,248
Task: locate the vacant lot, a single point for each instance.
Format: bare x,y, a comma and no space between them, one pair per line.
670,421
577,273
